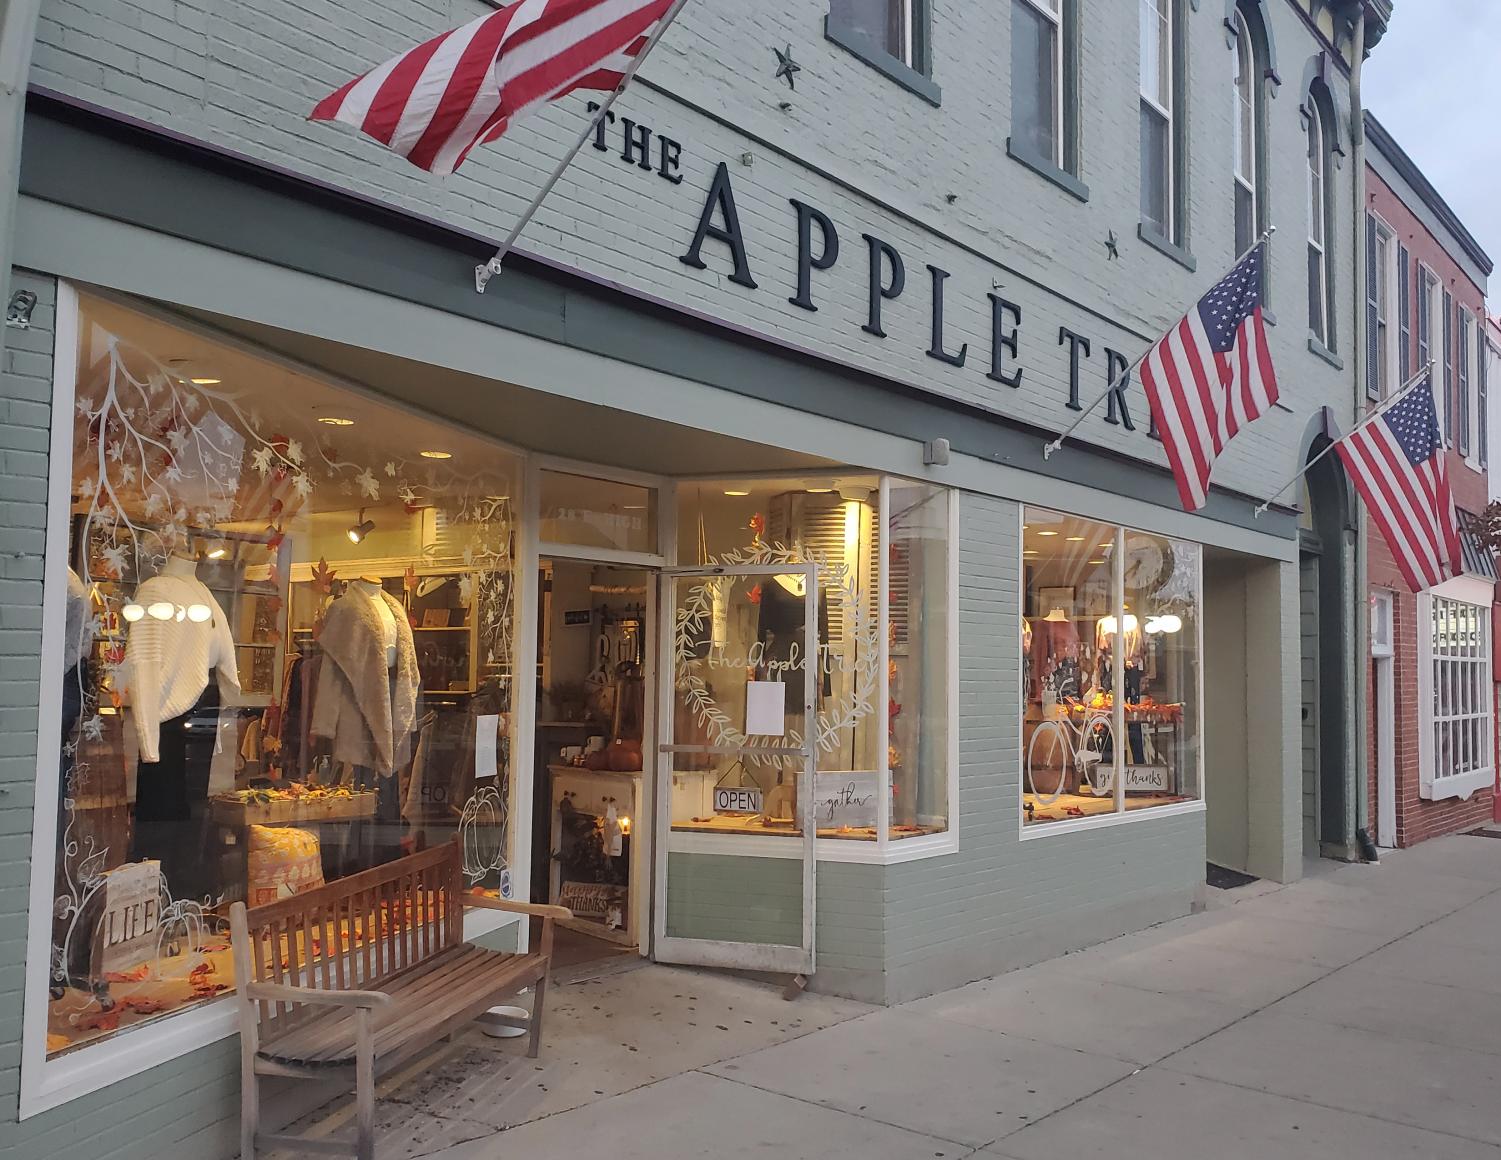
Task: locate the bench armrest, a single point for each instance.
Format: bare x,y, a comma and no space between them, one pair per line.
281,993
484,902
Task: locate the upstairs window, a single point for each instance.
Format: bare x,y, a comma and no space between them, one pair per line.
1320,324
1157,132
1246,137
892,27
1037,79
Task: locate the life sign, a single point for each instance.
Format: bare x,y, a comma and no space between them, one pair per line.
736,800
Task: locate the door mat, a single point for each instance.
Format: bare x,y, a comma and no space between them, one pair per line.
1485,832
1224,879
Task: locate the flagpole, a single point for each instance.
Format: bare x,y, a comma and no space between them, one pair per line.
1054,445
484,272
1402,392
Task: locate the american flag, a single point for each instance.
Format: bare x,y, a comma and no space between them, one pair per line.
434,103
1211,375
1397,462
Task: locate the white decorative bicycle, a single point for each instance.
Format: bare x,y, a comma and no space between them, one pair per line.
1058,744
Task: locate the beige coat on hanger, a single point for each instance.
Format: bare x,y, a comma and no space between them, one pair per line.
368,718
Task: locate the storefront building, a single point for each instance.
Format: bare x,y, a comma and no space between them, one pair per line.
1432,684
705,574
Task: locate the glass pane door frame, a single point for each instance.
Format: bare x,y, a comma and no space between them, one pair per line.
729,953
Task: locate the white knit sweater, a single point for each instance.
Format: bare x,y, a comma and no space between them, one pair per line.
168,661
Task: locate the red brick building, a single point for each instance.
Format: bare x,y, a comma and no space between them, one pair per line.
1432,692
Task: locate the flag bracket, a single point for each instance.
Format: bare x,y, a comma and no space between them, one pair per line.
1057,443
487,270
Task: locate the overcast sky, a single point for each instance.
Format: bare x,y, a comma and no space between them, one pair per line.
1434,81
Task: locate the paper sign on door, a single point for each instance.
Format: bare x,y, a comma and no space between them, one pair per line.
765,708
486,748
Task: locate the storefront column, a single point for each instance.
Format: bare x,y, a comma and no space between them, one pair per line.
1273,714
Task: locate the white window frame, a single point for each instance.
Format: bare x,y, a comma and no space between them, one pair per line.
1162,10
1053,11
1387,371
1121,816
1318,215
1245,64
885,850
49,1083
1476,595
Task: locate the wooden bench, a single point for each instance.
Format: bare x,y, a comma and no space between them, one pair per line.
350,980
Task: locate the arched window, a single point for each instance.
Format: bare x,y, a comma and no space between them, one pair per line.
1247,134
1320,240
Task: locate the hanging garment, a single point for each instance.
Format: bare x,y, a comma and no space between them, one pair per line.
168,659
171,805
79,622
365,708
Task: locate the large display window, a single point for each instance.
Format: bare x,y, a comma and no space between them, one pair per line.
287,650
883,661
1110,670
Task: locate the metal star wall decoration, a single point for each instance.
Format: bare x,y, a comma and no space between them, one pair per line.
1112,250
787,67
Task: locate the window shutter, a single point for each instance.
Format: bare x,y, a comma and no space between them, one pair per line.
1483,399
1425,315
1372,281
1404,312
1448,358
1462,403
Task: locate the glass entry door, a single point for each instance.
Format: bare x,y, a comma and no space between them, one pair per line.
735,832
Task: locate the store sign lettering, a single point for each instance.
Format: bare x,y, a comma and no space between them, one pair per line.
126,934
820,247
756,658
845,799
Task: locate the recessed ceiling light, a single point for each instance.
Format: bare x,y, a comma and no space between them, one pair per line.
206,382
1076,539
1097,561
818,490
335,421
1047,533
436,454
737,493
1108,546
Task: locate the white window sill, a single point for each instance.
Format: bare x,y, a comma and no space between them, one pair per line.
829,849
1461,785
91,1068
1106,821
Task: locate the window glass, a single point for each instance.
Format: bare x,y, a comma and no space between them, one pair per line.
1067,731
1383,272
917,637
733,631
597,513
1244,139
1318,311
1036,81
883,25
1084,751
1156,115
1156,160
288,657
1461,699
1161,670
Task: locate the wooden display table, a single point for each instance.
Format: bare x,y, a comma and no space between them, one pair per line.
293,811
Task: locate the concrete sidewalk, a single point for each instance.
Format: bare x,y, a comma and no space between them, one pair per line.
1355,1014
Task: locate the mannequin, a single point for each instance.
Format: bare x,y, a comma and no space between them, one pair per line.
180,639
369,586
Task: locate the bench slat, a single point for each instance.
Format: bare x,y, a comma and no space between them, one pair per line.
460,981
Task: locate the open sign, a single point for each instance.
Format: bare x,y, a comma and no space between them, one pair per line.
736,800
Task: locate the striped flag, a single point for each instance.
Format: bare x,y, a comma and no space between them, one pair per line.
436,102
1396,459
1211,375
